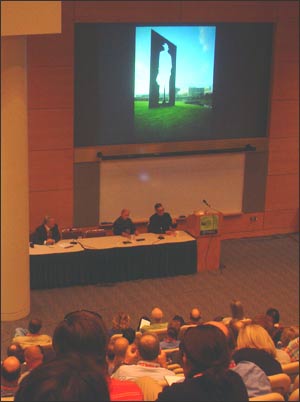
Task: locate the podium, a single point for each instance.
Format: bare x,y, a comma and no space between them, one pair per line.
205,226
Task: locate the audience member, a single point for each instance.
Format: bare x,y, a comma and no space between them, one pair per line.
15,349
161,221
74,377
120,322
171,340
292,349
148,351
255,379
156,321
120,347
194,317
287,335
255,344
10,373
85,332
180,319
47,233
34,357
33,335
277,329
206,359
237,312
123,225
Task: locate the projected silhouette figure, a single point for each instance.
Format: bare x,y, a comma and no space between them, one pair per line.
164,73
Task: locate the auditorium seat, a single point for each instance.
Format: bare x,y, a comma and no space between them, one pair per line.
71,233
280,383
94,233
272,396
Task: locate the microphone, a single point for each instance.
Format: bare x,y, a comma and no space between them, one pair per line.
209,206
206,203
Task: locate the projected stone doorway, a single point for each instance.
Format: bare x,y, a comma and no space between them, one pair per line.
162,72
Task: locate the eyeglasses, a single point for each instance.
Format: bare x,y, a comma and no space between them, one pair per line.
68,316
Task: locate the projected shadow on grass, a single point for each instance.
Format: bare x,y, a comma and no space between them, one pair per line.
162,72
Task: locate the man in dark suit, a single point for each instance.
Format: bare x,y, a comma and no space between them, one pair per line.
47,233
161,221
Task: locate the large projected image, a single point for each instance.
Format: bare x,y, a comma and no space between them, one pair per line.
173,85
145,84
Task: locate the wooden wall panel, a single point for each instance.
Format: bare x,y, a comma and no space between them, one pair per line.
284,119
282,192
286,80
284,156
50,87
288,219
287,40
129,11
242,223
228,11
58,204
54,50
51,170
50,129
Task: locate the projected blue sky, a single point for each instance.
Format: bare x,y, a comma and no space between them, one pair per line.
194,60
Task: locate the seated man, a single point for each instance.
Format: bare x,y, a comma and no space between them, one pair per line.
47,233
10,373
161,221
123,225
148,351
156,321
32,336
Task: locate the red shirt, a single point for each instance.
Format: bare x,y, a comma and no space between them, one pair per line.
124,390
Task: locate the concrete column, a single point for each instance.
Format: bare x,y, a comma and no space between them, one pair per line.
15,286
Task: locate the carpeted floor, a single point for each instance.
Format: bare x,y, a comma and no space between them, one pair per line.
261,272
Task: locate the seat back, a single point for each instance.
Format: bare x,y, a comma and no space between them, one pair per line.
291,369
280,383
183,328
94,233
272,396
71,233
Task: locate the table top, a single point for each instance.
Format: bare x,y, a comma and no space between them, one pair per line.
108,242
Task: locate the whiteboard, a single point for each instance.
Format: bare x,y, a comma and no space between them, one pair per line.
180,183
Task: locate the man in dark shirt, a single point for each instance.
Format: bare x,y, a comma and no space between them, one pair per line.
47,233
123,225
161,221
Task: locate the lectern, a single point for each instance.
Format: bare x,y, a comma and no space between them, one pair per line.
205,227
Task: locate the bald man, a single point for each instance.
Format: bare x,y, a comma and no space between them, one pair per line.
148,361
195,316
10,373
156,321
123,226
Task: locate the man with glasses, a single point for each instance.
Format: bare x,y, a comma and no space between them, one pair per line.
161,221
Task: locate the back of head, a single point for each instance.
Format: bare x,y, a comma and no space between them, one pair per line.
237,310
288,334
69,378
157,315
179,319
121,320
256,337
120,346
81,332
10,369
34,325
15,349
173,329
274,314
195,315
205,350
34,355
148,346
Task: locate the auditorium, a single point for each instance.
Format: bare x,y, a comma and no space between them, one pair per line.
115,111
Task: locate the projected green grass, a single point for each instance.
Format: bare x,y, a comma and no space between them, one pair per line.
170,123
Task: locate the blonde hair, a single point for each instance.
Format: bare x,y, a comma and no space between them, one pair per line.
256,337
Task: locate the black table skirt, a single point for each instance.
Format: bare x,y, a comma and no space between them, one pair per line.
112,265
